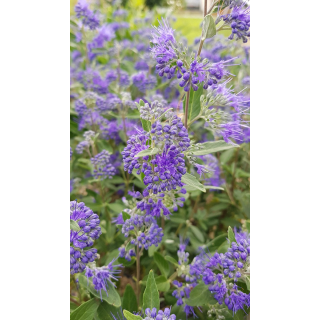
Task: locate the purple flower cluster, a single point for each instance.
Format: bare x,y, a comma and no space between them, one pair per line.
103,276
201,72
119,25
239,20
82,239
182,254
141,65
167,171
168,62
163,202
170,133
126,254
245,137
88,17
180,292
84,145
228,125
105,34
162,40
120,13
232,265
103,168
160,315
119,75
213,171
144,231
151,111
144,82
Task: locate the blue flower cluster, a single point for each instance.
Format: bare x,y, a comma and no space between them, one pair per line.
84,238
103,168
163,202
143,81
160,315
88,17
103,276
217,271
212,176
239,20
233,265
127,255
151,111
84,145
143,230
170,60
180,292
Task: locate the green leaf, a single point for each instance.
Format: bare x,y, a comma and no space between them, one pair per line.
248,225
86,311
192,181
162,283
116,206
200,295
231,236
216,242
213,188
125,216
74,225
152,250
197,233
172,260
239,315
247,280
195,106
162,264
129,299
208,27
151,294
127,263
147,152
212,146
112,298
130,316
170,109
105,311
146,124
189,188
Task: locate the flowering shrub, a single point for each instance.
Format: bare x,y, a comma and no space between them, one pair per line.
159,211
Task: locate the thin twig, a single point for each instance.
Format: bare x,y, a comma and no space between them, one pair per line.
186,110
138,274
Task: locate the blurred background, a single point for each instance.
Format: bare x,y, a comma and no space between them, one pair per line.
188,13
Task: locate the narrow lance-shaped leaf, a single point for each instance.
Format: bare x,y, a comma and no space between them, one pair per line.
112,297
212,146
208,27
86,311
151,294
195,106
74,225
147,152
231,236
247,279
129,300
108,312
172,260
200,295
125,216
130,316
192,181
161,263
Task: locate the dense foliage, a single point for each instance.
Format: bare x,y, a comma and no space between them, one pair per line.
160,156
